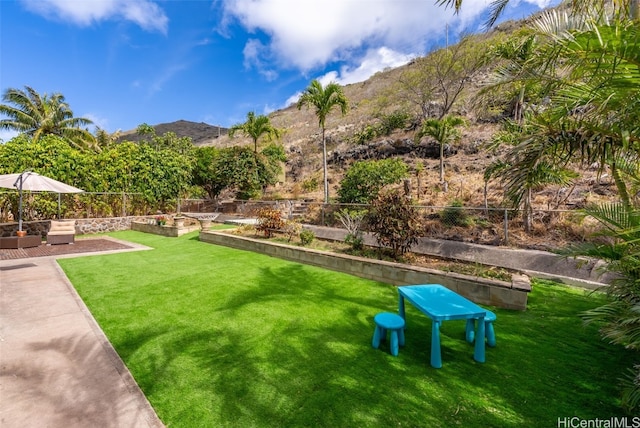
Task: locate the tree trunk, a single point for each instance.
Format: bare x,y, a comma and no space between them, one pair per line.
528,220
324,168
485,198
441,162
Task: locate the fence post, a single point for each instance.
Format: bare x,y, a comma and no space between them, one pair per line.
322,216
506,227
124,204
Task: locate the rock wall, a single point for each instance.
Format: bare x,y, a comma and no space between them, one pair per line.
84,226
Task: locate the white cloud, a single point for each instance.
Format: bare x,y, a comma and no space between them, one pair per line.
98,122
165,75
363,36
540,3
6,135
147,14
310,33
293,99
374,61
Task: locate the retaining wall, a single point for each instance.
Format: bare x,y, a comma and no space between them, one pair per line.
480,290
170,231
578,271
84,226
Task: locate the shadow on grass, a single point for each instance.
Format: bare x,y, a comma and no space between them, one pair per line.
294,349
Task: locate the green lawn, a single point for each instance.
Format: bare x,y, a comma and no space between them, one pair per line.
220,337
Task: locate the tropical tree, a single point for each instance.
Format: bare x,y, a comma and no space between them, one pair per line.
255,127
589,70
324,99
434,84
37,115
619,318
237,168
363,180
599,8
444,131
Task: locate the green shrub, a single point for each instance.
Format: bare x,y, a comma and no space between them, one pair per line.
368,133
455,215
396,120
291,229
364,179
310,184
307,236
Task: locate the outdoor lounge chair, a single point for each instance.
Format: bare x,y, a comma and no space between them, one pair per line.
61,232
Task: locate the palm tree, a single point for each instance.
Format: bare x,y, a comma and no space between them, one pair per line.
630,8
324,99
255,127
36,115
444,132
619,318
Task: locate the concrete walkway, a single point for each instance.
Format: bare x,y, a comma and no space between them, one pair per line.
57,368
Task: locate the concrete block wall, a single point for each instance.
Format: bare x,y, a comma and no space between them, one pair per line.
581,271
480,290
166,230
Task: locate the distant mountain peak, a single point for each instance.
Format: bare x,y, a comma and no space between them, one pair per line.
201,133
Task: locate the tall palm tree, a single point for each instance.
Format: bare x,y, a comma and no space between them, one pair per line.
444,131
36,115
255,127
323,99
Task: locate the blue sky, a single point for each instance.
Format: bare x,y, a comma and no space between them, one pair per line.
122,63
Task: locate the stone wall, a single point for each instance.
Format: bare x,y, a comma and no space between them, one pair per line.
480,290
84,226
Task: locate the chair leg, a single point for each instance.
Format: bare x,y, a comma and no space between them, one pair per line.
470,330
491,334
401,336
377,336
394,342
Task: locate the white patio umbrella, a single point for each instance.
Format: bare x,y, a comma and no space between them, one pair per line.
34,182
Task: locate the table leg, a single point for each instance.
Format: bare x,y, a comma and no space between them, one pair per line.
401,306
436,355
478,353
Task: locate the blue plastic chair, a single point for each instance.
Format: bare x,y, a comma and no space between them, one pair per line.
394,324
489,332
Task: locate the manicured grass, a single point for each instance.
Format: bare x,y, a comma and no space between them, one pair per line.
220,337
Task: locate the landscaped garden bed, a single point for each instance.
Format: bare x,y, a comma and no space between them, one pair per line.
490,291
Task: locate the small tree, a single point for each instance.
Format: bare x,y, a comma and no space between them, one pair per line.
394,220
270,220
444,131
255,127
352,221
323,99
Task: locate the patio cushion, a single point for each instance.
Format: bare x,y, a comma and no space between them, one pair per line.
61,232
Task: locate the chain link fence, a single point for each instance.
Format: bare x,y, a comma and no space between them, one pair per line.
547,229
48,205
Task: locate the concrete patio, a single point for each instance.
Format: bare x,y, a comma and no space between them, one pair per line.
57,368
